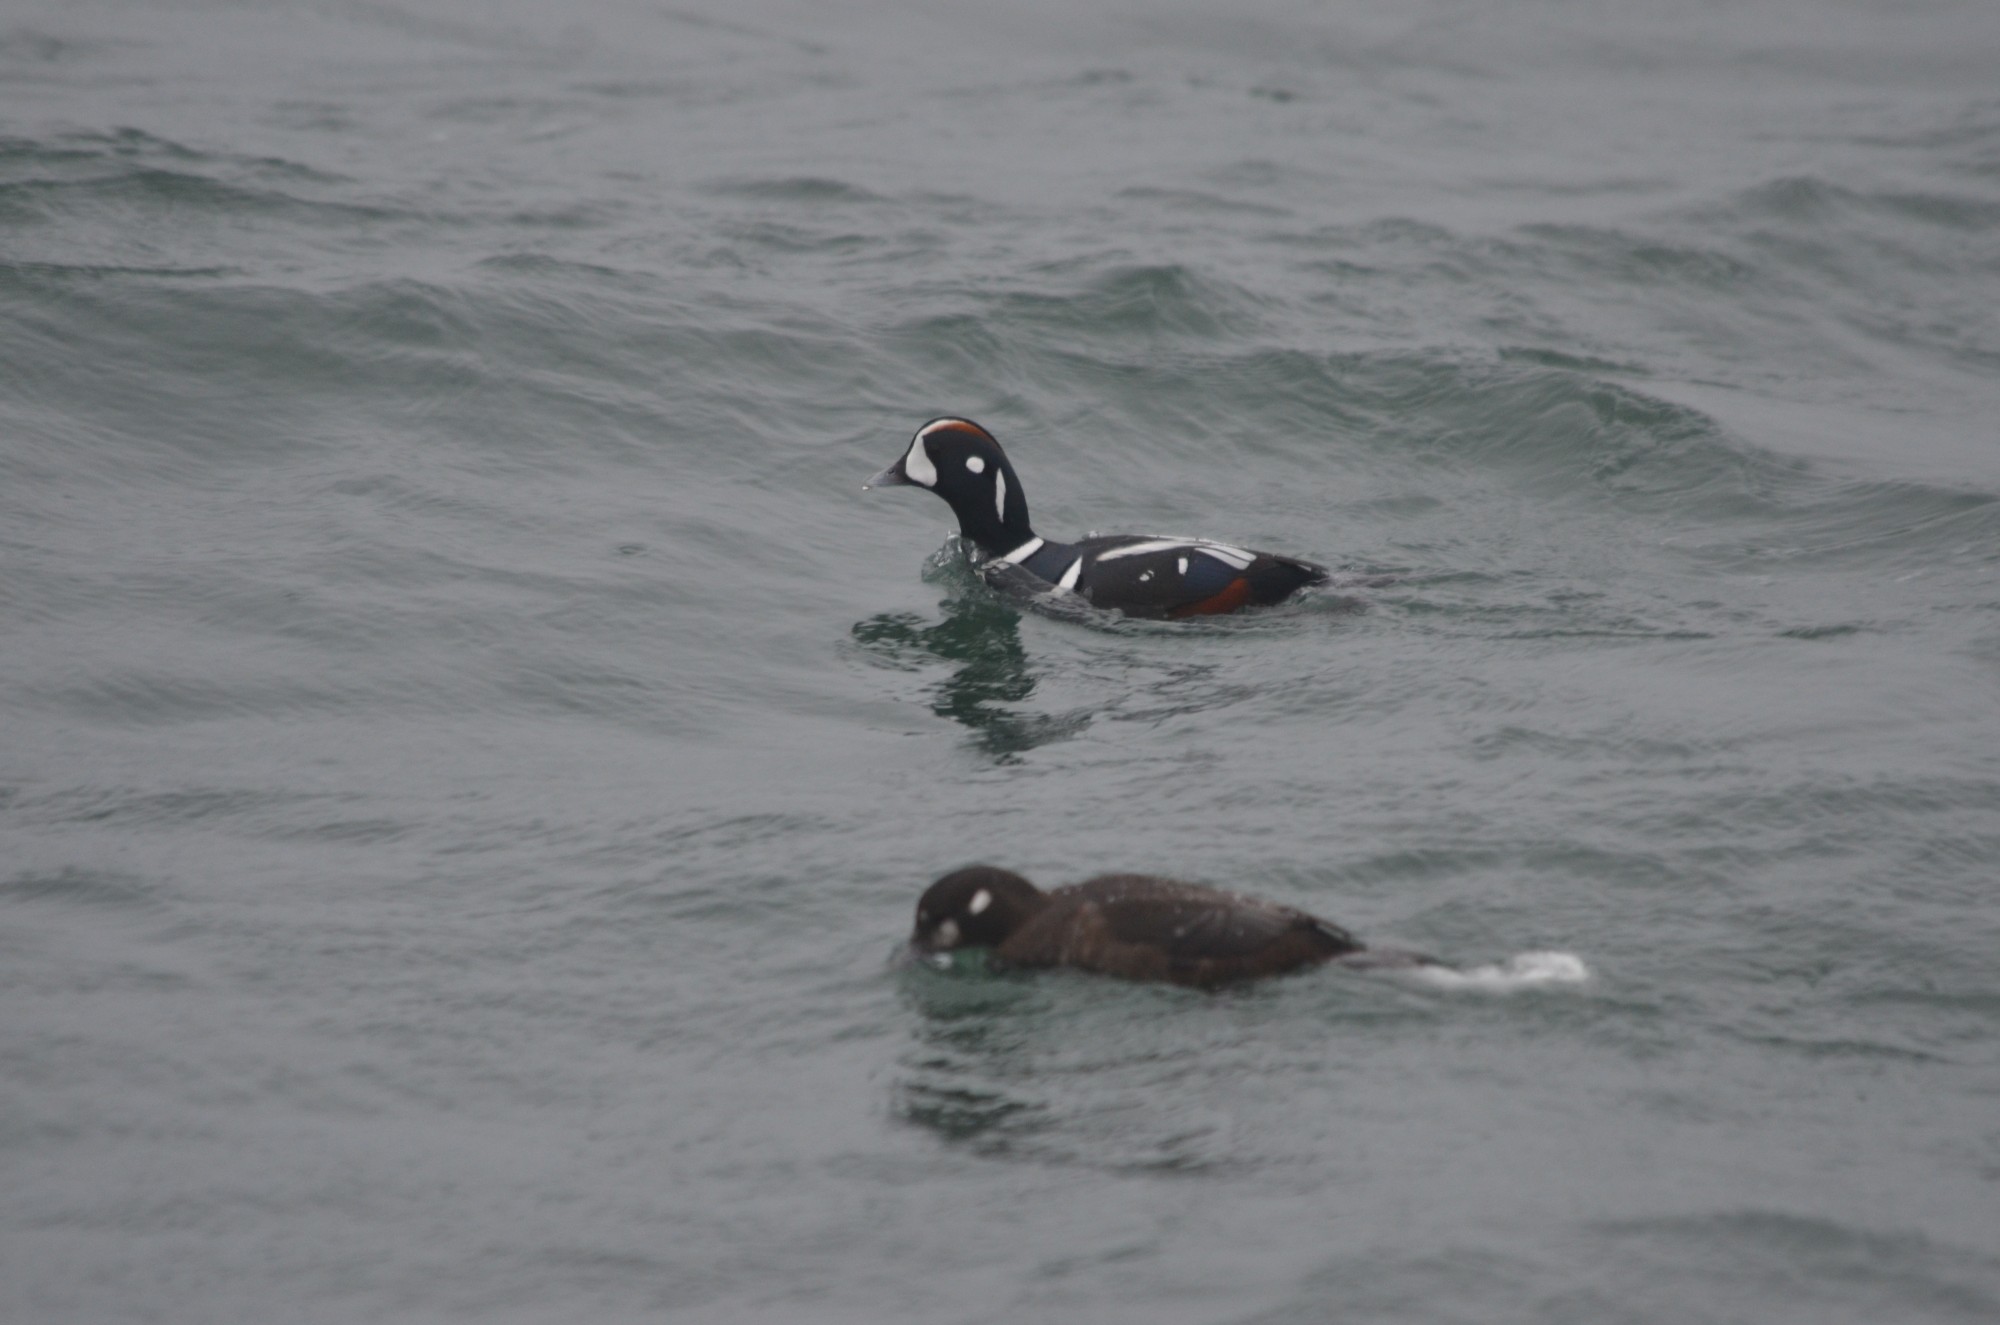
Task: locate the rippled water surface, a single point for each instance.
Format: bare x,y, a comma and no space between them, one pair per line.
471,749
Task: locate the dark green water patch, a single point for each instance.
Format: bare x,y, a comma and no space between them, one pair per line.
1619,256
990,675
807,191
1146,301
80,887
1826,1265
1575,363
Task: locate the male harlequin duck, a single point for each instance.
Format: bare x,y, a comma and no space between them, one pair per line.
1139,575
1137,926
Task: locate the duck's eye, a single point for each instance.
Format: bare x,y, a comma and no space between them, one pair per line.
975,464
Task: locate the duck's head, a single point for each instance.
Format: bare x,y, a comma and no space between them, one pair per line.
962,463
976,907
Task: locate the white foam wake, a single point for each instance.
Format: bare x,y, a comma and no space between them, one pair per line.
1524,970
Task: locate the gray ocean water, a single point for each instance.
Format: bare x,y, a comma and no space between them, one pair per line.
469,749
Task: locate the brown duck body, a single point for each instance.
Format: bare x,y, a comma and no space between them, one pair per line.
1137,926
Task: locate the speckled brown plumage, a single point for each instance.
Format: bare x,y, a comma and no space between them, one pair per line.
1138,926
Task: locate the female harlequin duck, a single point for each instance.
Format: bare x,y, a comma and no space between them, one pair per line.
1139,575
1137,926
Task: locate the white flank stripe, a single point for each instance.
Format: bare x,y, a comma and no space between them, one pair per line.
1140,549
1068,581
1233,557
1023,552
999,493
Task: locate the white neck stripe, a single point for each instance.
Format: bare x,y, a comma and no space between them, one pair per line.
1022,553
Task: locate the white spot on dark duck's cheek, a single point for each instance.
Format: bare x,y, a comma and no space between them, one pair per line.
975,464
980,901
945,935
999,493
1183,565
1145,575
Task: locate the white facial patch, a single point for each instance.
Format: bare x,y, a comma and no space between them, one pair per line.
945,935
1145,575
980,901
975,464
1183,565
917,466
1069,577
999,493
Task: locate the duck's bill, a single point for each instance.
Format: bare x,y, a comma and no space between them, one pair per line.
892,477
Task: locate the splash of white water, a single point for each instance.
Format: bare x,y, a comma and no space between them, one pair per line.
1524,970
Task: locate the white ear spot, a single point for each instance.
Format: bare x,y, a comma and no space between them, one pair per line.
980,901
946,934
999,493
1183,565
975,464
917,466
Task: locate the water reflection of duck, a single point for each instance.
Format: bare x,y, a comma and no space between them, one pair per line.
1137,574
1138,926
983,638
